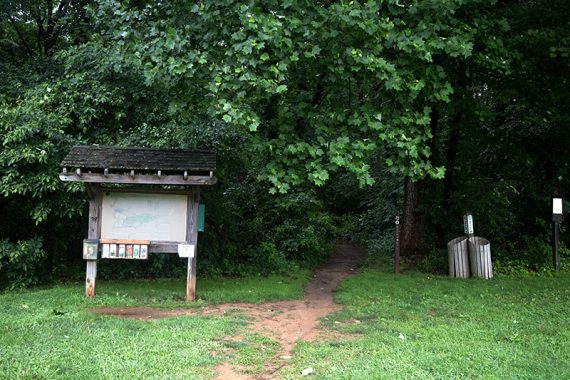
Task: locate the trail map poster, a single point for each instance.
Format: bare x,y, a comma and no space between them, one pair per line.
134,216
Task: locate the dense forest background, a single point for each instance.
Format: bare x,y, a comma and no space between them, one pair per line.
328,118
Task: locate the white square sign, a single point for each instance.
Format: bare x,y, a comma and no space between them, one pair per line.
186,250
557,206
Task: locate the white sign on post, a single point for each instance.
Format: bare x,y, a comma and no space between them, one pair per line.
468,224
557,206
186,250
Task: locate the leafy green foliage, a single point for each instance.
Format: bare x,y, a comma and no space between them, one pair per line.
271,234
157,265
531,254
20,263
325,86
502,138
367,216
33,143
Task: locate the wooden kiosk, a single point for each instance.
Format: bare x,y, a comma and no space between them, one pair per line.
141,201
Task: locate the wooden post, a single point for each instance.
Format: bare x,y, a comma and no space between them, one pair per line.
555,252
94,232
90,278
192,238
557,217
397,247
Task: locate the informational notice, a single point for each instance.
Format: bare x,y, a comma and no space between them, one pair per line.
186,250
124,251
90,248
155,217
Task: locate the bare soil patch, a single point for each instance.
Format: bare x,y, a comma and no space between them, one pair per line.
286,322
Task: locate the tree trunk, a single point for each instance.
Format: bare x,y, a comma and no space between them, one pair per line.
412,237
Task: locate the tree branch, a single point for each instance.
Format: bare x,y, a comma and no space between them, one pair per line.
49,37
24,43
41,33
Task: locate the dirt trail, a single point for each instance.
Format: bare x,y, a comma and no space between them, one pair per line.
286,322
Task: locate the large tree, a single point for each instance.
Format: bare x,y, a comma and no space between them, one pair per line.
324,84
503,138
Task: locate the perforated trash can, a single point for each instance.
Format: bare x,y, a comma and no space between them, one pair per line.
480,257
458,257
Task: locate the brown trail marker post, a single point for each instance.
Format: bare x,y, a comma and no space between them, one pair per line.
128,218
397,247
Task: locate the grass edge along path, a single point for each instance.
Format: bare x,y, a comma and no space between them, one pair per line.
47,332
417,326
407,326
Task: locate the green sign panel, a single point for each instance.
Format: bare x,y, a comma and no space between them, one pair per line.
201,216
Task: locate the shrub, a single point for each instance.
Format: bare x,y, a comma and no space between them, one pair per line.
268,259
530,253
435,262
306,240
20,263
157,265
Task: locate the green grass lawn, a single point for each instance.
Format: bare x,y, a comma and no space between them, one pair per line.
47,332
407,327
423,327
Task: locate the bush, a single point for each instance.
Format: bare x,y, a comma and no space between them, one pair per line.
528,253
157,265
251,232
436,262
20,263
305,240
268,259
532,255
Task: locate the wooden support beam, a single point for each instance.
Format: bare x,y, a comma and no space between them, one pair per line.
192,237
124,241
142,190
91,275
138,179
93,232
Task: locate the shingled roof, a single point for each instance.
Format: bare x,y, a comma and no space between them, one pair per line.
111,164
118,158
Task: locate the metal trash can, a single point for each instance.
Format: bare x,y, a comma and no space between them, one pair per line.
458,257
480,257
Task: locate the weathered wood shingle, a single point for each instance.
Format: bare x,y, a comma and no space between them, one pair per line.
117,158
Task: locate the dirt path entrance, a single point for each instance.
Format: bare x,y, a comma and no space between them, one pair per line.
286,322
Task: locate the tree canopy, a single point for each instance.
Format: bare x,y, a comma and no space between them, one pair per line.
323,84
